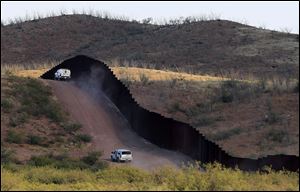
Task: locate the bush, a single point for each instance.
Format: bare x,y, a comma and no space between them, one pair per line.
279,136
18,119
36,99
175,107
40,161
35,140
59,161
226,134
271,117
65,162
14,137
70,164
91,158
53,111
48,176
200,109
232,90
7,156
84,138
204,120
6,105
144,79
71,127
227,90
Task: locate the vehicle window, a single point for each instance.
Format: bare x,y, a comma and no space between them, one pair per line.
126,152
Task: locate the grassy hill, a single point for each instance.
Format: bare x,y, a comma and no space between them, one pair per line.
248,118
33,123
35,156
218,47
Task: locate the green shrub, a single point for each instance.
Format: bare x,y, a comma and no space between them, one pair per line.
63,161
175,107
71,164
100,165
48,176
40,161
71,127
13,165
226,134
204,120
18,119
53,111
35,140
92,158
271,117
227,90
84,138
6,105
15,137
36,99
227,96
233,90
279,136
7,155
200,111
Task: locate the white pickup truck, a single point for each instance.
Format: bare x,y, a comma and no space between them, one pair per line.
121,155
62,74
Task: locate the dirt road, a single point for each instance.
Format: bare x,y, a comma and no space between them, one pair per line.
109,129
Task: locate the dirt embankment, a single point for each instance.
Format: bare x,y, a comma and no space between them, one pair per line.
102,120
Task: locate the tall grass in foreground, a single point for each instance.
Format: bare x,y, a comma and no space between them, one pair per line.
216,177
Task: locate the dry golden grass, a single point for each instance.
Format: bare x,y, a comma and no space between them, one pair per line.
31,73
159,75
134,74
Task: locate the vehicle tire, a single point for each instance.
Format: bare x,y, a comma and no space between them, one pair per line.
118,159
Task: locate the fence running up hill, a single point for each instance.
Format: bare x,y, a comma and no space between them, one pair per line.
164,132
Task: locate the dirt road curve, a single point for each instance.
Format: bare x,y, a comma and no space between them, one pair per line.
109,129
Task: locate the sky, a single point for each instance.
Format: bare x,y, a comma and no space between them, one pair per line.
276,15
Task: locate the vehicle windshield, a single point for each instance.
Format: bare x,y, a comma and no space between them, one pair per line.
126,152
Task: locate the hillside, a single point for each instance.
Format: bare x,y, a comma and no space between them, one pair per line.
258,122
217,47
36,157
34,123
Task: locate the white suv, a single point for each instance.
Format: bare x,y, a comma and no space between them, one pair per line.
62,74
121,155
